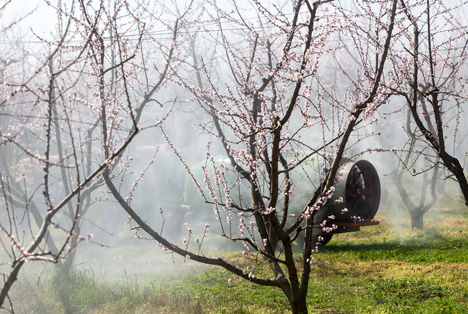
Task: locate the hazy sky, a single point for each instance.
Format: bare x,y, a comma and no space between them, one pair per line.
42,20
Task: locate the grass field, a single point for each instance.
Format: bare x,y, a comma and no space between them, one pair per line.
381,269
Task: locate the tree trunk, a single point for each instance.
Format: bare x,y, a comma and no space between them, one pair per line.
66,266
299,306
62,279
417,218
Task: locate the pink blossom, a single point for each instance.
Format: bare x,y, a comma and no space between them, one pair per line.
269,210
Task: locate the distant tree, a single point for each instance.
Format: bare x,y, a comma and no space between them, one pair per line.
419,209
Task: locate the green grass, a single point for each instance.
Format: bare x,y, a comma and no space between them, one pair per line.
381,269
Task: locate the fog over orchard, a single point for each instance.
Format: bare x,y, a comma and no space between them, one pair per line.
199,127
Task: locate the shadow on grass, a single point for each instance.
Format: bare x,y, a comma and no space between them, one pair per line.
417,250
339,248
